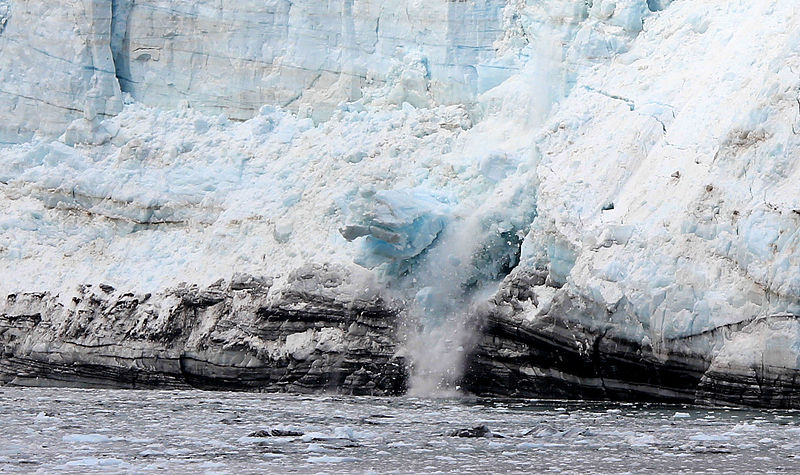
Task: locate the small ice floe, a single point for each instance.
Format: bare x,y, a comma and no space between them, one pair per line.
276,433
317,448
378,419
681,415
97,462
46,418
546,431
10,449
529,446
330,459
641,440
542,431
339,433
401,444
87,438
150,453
211,465
265,440
178,452
709,438
745,427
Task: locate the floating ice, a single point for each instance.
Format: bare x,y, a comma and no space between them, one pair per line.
330,459
98,462
709,438
87,438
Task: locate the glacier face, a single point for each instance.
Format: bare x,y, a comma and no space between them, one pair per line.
55,66
304,55
632,162
307,56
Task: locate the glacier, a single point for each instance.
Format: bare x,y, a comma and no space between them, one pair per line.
569,197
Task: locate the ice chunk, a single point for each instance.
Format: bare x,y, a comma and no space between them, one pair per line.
98,462
709,438
396,225
330,459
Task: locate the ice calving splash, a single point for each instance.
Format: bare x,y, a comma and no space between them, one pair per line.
439,254
464,268
482,243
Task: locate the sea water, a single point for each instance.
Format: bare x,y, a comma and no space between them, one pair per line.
112,431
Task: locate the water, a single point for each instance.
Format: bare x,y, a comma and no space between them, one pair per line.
85,431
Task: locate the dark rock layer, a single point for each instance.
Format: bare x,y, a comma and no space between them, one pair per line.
575,350
318,333
551,358
321,331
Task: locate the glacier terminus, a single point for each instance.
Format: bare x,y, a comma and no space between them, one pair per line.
594,199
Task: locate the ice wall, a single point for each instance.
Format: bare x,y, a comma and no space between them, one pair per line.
668,188
235,57
55,66
67,60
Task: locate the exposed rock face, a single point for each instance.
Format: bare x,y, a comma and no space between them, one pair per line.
575,350
324,332
232,335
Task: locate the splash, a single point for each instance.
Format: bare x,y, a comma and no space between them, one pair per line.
482,245
463,269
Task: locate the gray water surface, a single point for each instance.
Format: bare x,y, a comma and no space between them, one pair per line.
86,431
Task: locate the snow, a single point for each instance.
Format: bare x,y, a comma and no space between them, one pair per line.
641,153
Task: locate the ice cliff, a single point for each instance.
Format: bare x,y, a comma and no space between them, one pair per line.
72,59
570,197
